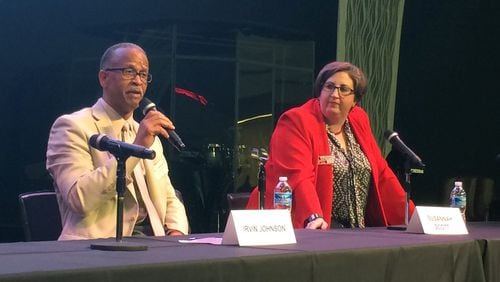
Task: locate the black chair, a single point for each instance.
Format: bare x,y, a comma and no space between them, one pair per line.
178,194
40,216
237,201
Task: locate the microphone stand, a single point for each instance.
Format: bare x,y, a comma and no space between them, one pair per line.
119,245
262,183
407,187
261,155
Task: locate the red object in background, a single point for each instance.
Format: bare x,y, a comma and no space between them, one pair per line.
191,95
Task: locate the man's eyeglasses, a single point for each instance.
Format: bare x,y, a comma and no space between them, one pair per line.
343,90
130,73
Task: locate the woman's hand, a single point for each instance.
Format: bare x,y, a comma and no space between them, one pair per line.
318,223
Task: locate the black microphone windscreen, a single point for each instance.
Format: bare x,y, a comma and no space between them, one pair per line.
146,105
393,138
389,134
98,141
94,140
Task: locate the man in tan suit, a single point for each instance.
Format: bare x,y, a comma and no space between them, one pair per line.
85,178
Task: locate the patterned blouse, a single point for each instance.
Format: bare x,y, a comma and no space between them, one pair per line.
351,181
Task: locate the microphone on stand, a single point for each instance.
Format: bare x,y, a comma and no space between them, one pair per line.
118,148
259,154
399,145
121,151
410,158
145,107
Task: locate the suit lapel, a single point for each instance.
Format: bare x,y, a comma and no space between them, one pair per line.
104,125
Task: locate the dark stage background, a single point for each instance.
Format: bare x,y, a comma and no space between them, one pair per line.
446,107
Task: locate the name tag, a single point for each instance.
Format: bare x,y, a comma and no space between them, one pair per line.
437,220
326,160
259,227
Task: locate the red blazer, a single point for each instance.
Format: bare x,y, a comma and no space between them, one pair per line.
298,141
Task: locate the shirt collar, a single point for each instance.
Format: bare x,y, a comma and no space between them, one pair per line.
116,119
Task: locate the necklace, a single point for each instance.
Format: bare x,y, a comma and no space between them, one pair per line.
335,133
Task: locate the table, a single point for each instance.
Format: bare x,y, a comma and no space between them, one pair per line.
371,254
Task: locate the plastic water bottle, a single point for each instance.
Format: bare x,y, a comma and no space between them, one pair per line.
283,194
458,198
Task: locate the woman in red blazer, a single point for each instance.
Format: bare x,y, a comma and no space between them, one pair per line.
328,152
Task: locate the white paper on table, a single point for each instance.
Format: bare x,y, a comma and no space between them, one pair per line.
208,240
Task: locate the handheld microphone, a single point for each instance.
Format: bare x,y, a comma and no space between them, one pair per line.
145,106
121,149
393,138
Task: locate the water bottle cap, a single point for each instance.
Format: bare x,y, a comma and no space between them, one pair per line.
283,178
458,183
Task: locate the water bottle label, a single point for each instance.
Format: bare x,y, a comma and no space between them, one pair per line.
458,201
282,200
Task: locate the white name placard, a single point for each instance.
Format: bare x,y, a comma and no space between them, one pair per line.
258,228
437,220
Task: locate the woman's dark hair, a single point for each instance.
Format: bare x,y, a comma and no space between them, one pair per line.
357,76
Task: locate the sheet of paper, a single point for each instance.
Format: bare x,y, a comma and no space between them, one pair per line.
208,240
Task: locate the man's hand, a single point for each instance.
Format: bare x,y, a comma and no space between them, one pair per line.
173,232
154,123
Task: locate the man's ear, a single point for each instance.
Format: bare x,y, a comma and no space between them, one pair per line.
103,77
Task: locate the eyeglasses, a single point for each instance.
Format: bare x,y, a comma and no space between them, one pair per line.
343,90
130,73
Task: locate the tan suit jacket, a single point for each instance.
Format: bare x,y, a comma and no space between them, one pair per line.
85,178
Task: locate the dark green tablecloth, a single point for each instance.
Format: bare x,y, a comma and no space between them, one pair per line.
372,254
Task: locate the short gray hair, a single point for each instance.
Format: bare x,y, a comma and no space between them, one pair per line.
108,54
